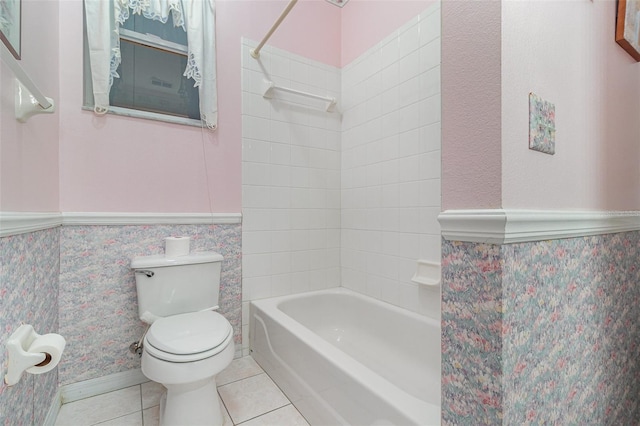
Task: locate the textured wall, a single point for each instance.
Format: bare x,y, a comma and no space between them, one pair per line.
562,319
29,269
471,104
493,54
595,166
571,333
471,333
98,303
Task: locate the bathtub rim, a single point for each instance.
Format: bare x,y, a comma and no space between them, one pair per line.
358,372
273,301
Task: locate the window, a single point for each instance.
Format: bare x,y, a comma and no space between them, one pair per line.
153,59
149,65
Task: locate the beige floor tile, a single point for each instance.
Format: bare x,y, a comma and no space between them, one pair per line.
227,417
287,415
151,416
151,393
134,419
100,408
251,397
239,369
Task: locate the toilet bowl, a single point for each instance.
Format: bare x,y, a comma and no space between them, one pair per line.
189,374
187,343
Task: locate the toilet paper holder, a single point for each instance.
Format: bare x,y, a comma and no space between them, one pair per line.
22,359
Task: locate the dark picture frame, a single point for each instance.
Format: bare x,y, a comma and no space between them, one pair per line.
628,27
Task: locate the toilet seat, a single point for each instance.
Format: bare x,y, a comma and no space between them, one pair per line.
188,337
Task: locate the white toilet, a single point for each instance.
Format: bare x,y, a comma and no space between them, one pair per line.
188,343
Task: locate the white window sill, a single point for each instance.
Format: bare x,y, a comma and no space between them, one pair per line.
125,112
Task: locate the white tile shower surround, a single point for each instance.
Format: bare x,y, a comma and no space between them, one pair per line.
360,220
390,165
290,180
249,396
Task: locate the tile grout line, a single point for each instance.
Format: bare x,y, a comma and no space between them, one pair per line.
225,407
140,411
237,380
141,405
267,412
115,418
112,418
285,395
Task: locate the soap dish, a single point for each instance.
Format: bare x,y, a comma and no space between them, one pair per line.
428,273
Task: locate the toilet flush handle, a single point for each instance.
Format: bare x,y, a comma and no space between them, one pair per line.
146,272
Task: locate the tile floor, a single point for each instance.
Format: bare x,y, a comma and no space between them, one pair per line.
249,396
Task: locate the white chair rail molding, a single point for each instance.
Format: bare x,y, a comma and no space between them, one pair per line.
504,226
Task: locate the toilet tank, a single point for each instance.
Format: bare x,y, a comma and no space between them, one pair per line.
180,285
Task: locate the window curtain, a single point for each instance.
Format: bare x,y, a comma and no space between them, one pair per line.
196,17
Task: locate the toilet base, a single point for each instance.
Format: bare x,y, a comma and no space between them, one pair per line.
191,404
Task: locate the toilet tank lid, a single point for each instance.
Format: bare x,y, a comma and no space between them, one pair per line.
160,260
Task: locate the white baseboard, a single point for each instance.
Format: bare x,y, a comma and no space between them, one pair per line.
54,409
505,226
100,385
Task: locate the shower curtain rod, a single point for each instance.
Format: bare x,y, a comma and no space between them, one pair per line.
255,53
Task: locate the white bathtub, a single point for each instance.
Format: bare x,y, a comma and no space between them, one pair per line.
347,359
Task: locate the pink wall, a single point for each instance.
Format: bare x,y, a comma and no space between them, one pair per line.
366,22
595,86
118,164
471,119
29,151
114,163
509,49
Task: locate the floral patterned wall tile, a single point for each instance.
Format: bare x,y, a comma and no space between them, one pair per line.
542,125
571,335
471,339
29,270
542,333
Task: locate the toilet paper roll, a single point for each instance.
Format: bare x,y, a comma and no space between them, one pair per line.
52,345
176,246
